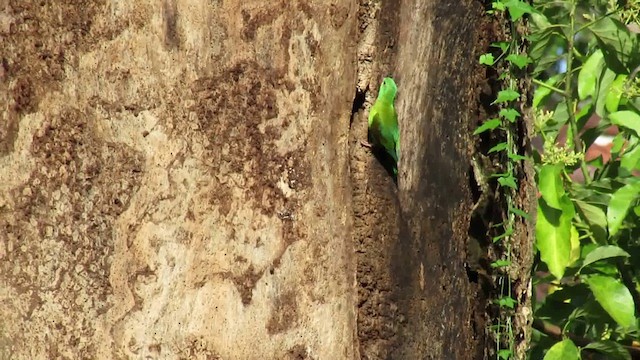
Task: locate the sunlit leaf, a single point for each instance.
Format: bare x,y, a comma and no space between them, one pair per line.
506,96
614,298
521,61
616,89
550,184
486,59
517,9
509,114
603,252
487,126
619,205
553,235
589,74
563,350
627,119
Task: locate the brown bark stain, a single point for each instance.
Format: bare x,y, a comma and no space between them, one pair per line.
36,45
181,179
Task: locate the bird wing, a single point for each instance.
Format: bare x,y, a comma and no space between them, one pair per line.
383,128
389,131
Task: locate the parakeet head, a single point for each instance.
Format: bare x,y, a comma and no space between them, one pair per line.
388,89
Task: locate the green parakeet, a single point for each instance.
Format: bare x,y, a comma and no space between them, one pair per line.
383,122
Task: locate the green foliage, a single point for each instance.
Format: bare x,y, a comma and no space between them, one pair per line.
585,62
614,298
563,350
506,59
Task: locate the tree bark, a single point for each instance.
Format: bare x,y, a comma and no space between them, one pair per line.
416,300
174,180
184,179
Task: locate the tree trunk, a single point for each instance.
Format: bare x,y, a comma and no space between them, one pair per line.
184,179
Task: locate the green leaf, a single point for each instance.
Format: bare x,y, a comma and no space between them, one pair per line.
508,181
614,298
539,20
604,83
619,45
614,95
521,61
563,350
612,349
542,92
487,126
582,117
505,354
550,185
508,232
506,302
517,9
603,252
618,142
560,116
619,205
486,59
502,45
629,160
546,60
627,119
595,218
509,114
589,74
574,255
519,212
553,235
500,263
498,147
498,5
506,96
516,157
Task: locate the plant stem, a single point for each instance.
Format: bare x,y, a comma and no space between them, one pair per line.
571,105
552,88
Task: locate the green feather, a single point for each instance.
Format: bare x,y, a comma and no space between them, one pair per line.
383,121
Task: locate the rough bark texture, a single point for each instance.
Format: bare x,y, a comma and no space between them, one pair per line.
416,301
174,179
184,179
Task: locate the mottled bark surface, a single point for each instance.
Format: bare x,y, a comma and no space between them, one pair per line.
184,179
174,179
